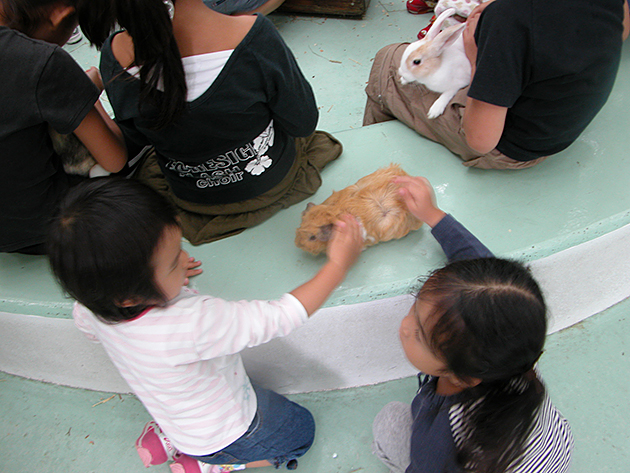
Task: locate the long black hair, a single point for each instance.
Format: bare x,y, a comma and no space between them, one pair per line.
489,324
155,50
101,244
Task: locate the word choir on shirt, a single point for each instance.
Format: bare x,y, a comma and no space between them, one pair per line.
230,167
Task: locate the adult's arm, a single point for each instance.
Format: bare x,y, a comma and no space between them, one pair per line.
483,122
107,147
100,134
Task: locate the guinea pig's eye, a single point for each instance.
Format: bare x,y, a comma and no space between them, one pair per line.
312,238
417,61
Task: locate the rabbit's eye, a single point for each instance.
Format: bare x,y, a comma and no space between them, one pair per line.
312,238
417,61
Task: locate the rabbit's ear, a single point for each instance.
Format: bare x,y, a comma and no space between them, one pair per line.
437,24
447,37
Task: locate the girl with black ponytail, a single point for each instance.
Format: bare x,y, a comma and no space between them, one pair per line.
475,331
222,101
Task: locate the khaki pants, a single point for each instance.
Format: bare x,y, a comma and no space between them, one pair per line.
203,223
388,99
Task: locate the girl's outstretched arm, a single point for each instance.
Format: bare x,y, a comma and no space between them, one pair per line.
343,251
455,240
100,134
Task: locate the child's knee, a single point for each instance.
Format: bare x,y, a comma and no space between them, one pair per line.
395,416
392,434
305,422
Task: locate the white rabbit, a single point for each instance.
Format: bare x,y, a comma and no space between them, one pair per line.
439,62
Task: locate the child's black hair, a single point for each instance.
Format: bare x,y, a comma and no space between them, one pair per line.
155,50
26,16
489,324
101,243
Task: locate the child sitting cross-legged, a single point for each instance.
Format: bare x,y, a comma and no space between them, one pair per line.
115,246
475,331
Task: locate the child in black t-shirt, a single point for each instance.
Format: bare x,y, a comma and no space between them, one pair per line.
43,87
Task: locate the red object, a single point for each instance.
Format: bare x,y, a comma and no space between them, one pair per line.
417,7
423,32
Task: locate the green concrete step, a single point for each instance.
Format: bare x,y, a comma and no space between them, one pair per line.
569,199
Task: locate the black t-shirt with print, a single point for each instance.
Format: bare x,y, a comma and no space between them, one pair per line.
237,140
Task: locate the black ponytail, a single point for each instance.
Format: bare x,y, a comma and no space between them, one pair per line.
490,325
495,429
155,50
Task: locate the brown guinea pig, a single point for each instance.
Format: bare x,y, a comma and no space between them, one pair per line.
373,200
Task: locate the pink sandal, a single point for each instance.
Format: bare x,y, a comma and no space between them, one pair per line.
153,447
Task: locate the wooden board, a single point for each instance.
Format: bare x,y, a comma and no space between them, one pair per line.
348,8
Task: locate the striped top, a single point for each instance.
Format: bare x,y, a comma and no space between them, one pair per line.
183,362
548,447
438,425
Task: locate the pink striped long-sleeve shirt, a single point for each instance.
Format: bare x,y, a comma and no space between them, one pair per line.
183,362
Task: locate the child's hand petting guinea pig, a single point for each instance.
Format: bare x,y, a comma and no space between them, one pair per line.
418,195
346,243
343,250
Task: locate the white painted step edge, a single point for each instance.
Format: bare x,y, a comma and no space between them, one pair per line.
340,347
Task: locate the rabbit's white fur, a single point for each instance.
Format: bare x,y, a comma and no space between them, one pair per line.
439,62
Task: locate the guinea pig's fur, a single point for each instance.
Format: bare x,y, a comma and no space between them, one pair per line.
373,200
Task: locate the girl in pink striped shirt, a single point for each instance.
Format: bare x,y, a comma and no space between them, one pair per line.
115,246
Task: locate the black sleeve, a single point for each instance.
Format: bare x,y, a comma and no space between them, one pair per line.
291,97
436,453
502,37
457,242
65,94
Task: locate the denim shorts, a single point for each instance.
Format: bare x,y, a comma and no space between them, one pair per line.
281,431
229,7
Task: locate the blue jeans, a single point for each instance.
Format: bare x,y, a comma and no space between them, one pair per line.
281,431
